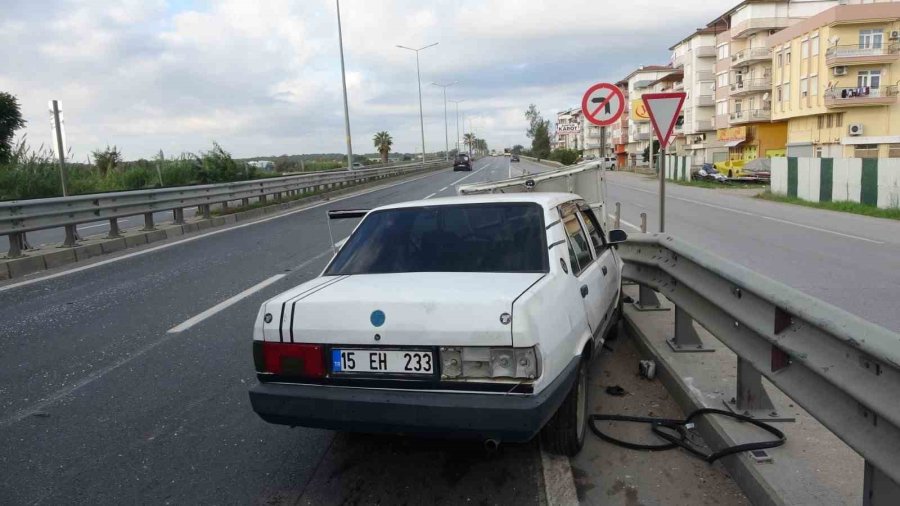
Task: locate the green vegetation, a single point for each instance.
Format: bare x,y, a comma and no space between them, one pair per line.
10,121
845,207
538,132
564,156
383,143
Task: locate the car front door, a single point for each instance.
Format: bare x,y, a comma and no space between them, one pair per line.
608,264
585,268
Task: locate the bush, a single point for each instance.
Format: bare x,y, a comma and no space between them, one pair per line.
564,156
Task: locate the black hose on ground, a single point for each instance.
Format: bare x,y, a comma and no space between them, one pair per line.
675,433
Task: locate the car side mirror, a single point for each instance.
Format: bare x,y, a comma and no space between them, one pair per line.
617,236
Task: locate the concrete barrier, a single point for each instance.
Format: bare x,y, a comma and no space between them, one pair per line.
870,181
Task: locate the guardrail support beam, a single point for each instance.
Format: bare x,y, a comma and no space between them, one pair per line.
686,339
204,211
113,229
178,215
17,243
245,202
878,488
148,222
72,237
752,399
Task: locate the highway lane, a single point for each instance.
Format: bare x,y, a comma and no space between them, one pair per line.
848,260
100,404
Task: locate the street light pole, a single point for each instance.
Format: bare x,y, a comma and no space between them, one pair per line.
446,134
344,83
419,80
457,102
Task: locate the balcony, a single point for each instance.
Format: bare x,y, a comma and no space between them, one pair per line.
837,98
705,51
747,56
754,25
750,86
704,125
593,132
678,61
705,101
642,136
750,115
705,75
861,54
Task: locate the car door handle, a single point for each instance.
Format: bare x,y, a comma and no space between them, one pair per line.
604,270
584,291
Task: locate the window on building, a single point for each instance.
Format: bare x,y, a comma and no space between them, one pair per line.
814,86
737,106
722,107
722,80
893,150
814,45
821,119
787,92
866,151
871,39
780,59
804,87
778,94
723,51
839,119
804,49
828,120
818,151
868,78
787,57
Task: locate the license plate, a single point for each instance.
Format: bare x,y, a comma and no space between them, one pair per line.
382,361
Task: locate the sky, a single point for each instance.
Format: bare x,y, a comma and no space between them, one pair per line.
262,78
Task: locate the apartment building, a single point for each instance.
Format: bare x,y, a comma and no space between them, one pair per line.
618,131
695,57
636,84
836,76
569,129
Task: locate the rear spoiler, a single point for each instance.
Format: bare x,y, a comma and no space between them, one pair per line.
342,214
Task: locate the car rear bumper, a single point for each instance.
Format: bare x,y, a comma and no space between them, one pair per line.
465,415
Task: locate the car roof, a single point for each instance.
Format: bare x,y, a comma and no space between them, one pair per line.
547,200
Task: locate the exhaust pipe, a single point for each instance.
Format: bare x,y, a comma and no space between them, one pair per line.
491,445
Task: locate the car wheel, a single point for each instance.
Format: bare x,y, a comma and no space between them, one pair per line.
564,433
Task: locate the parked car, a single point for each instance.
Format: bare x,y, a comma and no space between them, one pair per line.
514,158
465,317
609,163
462,162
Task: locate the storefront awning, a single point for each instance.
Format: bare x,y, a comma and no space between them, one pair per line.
731,144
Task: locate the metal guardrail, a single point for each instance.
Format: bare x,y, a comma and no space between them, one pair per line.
20,216
843,370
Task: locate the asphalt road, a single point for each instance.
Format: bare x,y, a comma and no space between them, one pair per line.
100,404
848,260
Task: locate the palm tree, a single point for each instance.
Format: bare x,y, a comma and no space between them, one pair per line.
383,143
469,141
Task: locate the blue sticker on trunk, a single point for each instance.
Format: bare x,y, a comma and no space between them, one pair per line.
377,318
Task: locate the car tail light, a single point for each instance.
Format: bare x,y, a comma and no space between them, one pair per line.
289,359
489,362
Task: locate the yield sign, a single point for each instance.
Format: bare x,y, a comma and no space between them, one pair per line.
663,109
603,104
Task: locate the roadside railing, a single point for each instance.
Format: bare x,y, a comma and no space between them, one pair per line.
843,370
17,217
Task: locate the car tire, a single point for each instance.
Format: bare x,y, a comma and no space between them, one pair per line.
564,433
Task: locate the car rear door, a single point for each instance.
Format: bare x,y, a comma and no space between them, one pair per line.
584,267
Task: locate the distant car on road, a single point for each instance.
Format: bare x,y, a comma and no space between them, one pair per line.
462,162
357,166
514,158
609,163
466,317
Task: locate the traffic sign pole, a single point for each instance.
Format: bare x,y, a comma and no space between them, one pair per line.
663,109
662,187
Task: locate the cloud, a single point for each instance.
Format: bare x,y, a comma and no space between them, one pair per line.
263,78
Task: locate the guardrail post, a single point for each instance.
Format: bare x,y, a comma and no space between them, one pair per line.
148,222
224,205
752,399
178,216
204,209
262,199
619,214
114,232
878,488
72,237
686,338
245,202
647,299
17,243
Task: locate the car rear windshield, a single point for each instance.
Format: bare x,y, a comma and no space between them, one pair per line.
507,237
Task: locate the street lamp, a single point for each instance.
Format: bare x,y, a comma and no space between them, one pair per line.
419,78
344,82
457,102
446,135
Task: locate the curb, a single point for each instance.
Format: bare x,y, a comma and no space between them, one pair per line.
52,258
559,483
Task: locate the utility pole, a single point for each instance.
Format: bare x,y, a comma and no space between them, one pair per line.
446,134
344,83
457,102
419,80
60,147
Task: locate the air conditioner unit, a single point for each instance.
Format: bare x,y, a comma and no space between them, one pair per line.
839,71
855,129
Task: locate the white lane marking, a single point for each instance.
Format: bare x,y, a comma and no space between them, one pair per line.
442,189
466,177
755,215
207,234
432,195
190,322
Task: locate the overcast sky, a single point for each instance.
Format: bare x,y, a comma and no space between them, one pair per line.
263,77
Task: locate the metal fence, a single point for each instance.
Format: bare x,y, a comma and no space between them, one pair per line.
843,370
20,216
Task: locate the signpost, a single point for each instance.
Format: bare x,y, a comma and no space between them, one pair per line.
663,109
602,105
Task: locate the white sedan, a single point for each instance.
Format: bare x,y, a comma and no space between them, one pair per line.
461,317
